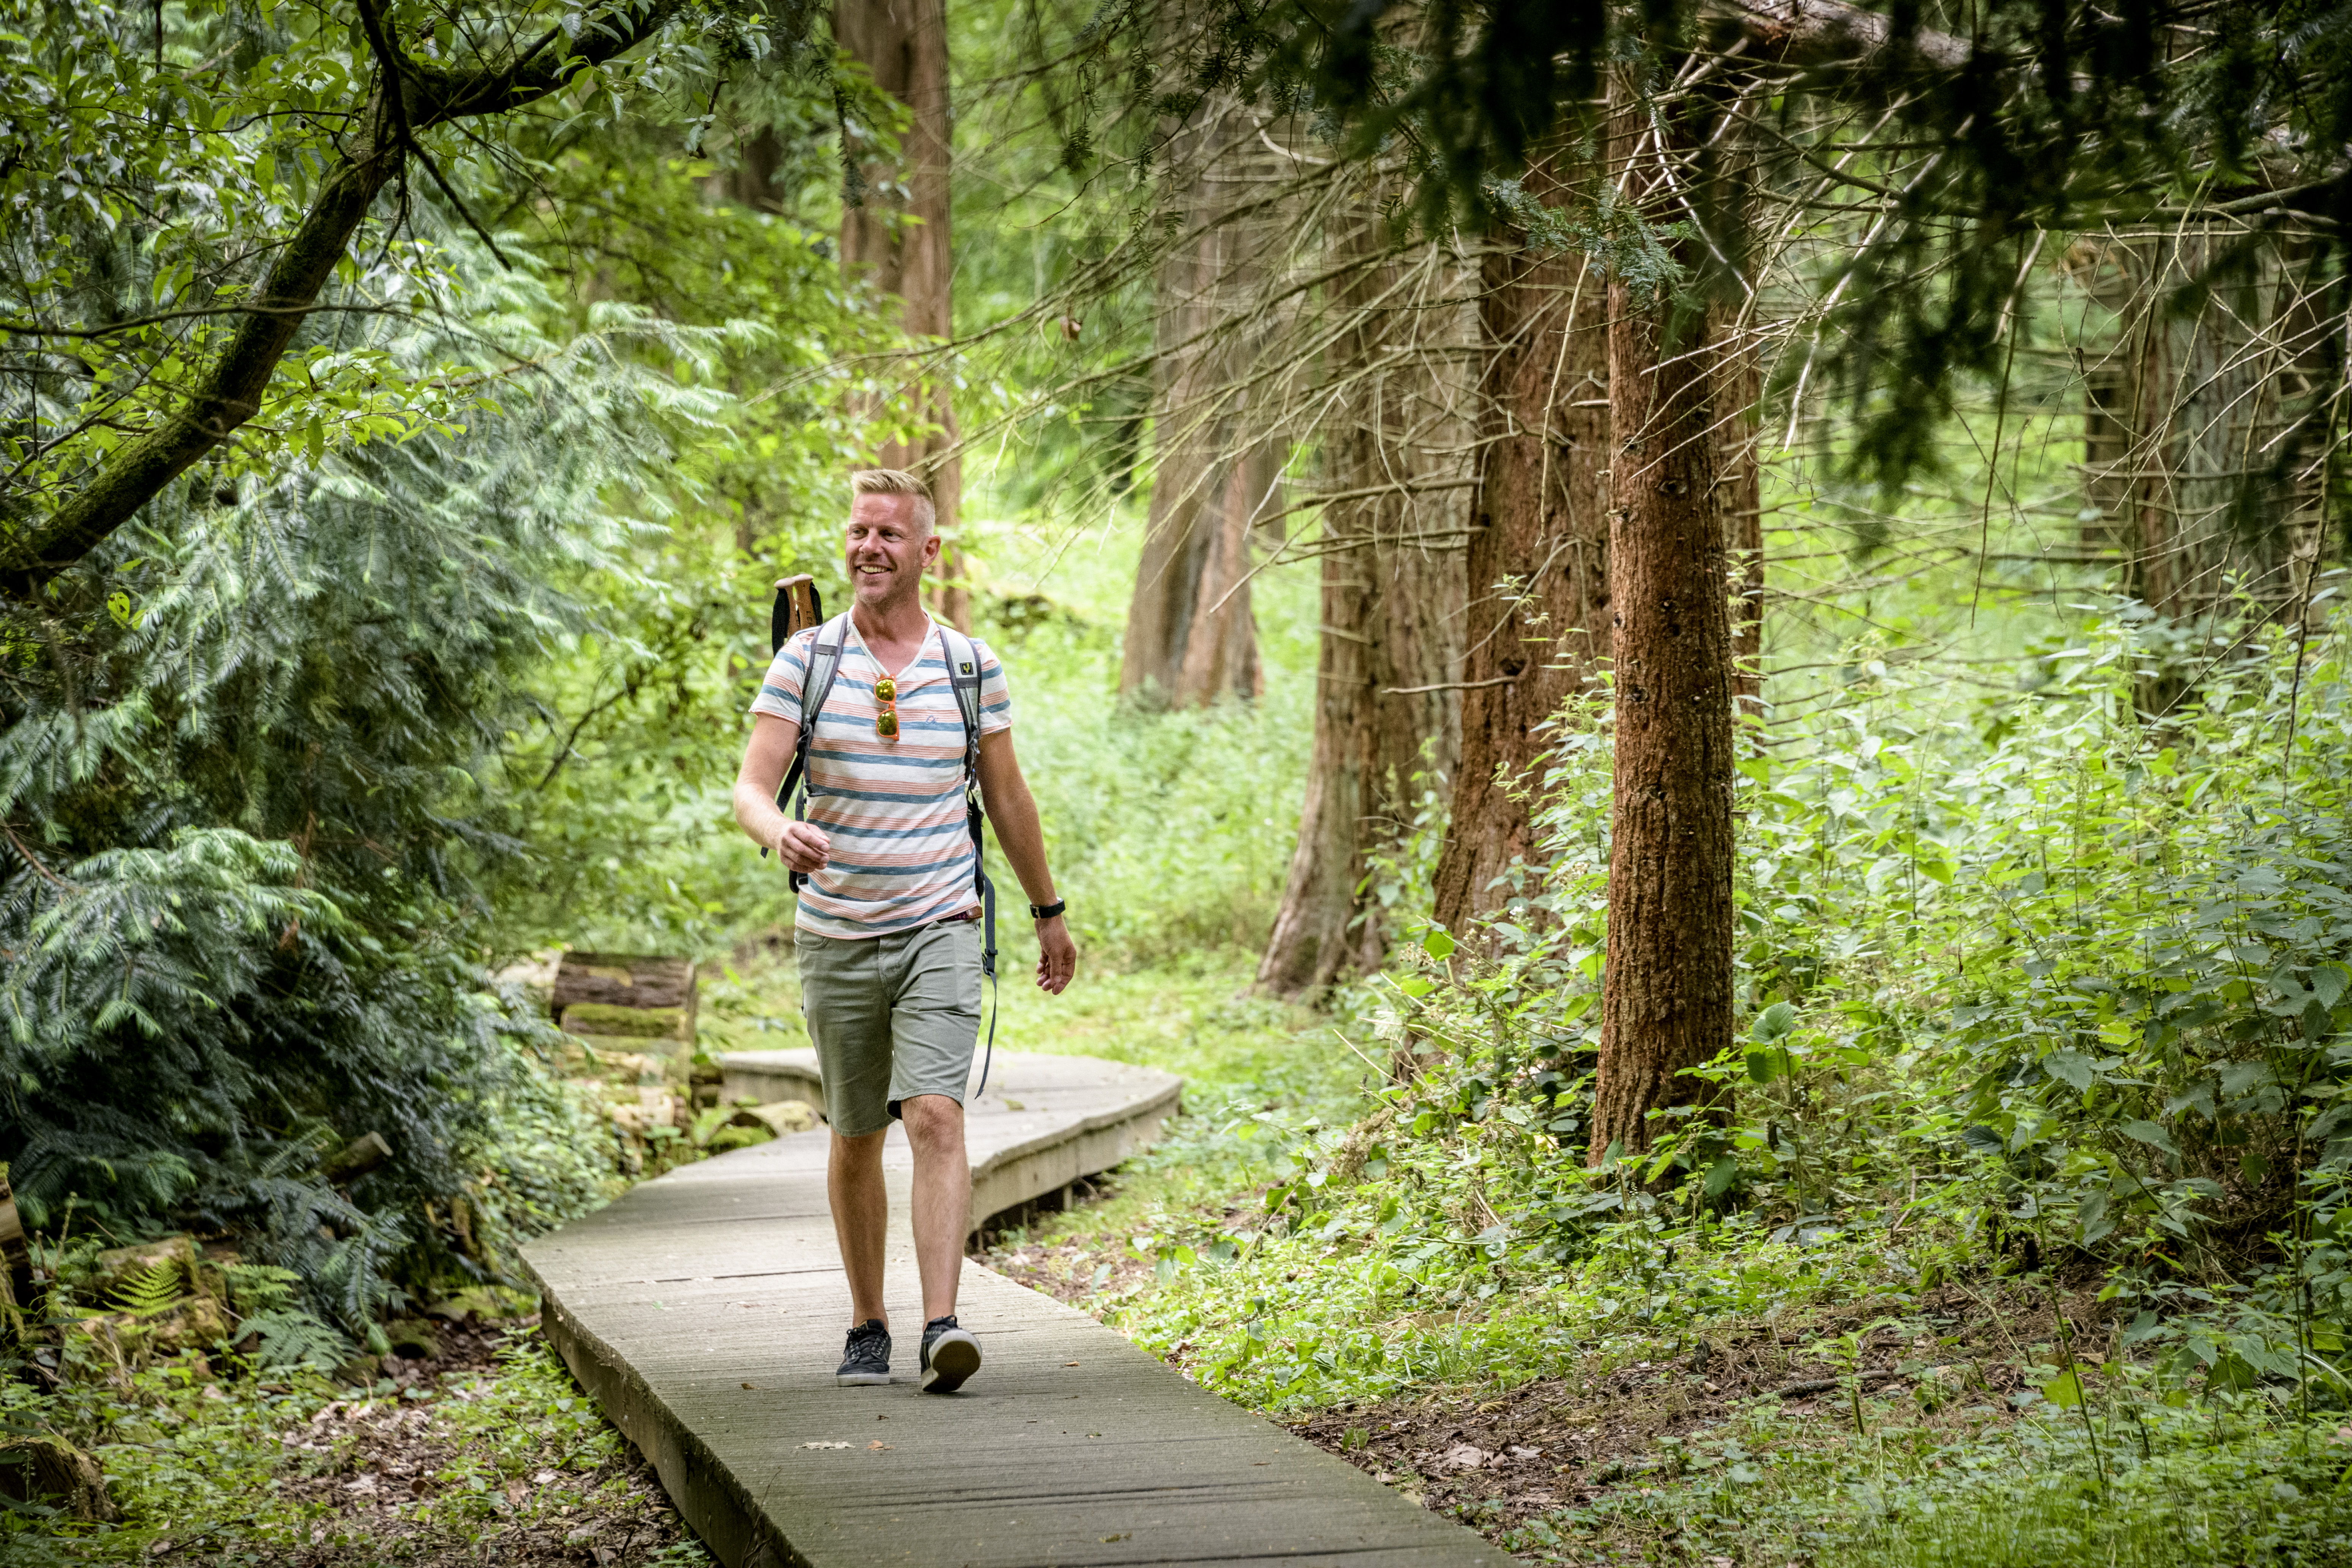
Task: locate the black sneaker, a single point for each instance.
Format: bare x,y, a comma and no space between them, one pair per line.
951,1355
866,1361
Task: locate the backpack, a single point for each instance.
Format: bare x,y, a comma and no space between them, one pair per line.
963,678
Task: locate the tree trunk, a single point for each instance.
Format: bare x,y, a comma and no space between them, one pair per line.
752,181
2206,417
1191,635
1391,605
2192,453
1739,485
1666,1002
904,45
1538,570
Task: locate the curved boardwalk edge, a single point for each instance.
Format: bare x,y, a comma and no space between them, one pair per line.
704,1311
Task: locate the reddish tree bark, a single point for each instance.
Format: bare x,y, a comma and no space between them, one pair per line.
1667,999
903,247
1391,628
1537,569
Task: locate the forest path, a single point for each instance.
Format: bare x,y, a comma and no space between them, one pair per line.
705,1310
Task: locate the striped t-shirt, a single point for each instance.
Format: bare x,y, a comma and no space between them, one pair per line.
893,809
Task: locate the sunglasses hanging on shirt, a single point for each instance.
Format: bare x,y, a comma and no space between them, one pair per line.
885,714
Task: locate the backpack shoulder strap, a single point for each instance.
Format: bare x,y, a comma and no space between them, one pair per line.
964,677
824,663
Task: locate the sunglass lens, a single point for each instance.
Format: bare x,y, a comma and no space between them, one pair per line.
886,689
886,724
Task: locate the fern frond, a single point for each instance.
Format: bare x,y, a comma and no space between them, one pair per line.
291,1337
153,1290
255,1288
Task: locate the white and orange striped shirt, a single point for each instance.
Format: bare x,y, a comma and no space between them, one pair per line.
893,809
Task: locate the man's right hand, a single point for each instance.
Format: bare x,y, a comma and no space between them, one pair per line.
802,848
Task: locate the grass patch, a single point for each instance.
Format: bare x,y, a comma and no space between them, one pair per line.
489,1452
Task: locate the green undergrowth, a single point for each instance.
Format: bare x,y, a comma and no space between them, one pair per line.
259,1468
2045,1008
2145,1483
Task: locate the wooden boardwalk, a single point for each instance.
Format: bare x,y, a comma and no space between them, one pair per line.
705,1310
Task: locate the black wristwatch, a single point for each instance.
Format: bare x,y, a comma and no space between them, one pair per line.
1047,911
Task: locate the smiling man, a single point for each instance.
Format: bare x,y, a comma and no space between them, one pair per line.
888,934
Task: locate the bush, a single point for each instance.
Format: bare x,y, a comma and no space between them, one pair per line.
240,773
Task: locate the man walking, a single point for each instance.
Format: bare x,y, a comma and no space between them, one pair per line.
888,933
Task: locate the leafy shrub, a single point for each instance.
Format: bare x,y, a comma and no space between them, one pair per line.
238,771
2070,991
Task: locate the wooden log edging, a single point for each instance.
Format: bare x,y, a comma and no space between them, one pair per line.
704,1311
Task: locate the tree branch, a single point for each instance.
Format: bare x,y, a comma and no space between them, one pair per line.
115,328
396,76
25,851
423,94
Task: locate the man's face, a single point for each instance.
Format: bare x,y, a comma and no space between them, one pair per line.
887,549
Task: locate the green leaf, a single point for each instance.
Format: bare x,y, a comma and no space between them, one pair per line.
2065,1389
1438,943
1775,1022
1984,1140
1720,1175
2072,1068
1763,1066
2149,1133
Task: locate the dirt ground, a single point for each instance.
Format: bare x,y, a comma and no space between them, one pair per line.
1498,1458
371,1474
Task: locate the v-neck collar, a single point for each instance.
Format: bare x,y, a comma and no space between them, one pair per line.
910,679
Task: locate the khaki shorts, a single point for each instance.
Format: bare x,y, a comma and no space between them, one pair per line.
892,1016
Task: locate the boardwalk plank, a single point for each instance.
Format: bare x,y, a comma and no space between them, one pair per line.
705,1310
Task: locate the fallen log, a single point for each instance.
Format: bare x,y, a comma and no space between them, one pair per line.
622,980
44,1469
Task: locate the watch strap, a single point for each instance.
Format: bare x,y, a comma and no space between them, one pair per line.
1047,911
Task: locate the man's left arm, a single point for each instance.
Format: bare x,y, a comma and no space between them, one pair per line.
1013,812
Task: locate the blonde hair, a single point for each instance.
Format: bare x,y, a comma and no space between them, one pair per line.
897,482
